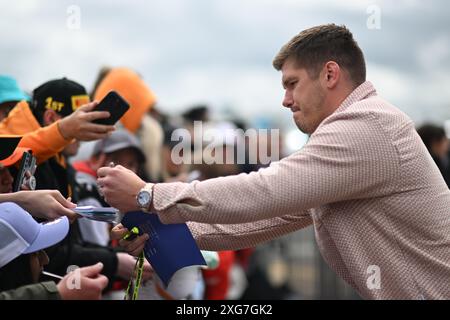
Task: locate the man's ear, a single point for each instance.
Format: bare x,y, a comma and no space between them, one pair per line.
50,116
331,74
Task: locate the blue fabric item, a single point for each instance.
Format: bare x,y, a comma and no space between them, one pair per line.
10,91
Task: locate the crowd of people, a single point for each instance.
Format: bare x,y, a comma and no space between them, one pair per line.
50,123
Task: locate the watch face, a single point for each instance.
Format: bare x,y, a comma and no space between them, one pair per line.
143,198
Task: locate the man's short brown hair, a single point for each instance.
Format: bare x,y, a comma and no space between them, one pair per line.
315,46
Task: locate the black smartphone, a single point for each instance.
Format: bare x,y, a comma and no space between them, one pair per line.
27,165
115,105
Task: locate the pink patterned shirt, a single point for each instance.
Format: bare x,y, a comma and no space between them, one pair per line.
378,203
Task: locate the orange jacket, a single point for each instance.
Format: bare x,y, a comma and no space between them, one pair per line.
45,142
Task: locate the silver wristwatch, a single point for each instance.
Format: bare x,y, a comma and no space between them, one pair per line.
144,197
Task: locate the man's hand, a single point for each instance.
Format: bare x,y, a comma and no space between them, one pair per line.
45,204
79,124
88,286
133,247
126,264
120,187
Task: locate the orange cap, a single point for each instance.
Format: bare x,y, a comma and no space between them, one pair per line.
14,157
133,89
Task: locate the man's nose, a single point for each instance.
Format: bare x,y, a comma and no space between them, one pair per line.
288,101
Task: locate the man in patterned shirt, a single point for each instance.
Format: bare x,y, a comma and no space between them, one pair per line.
379,205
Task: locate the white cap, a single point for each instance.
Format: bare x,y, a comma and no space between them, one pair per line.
21,234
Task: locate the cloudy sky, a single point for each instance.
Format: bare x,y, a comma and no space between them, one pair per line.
220,51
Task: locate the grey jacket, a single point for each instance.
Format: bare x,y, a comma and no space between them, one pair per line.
38,291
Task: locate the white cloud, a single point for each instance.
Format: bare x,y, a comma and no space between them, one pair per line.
220,51
248,92
422,98
393,84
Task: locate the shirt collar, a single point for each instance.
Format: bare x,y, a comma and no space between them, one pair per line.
363,91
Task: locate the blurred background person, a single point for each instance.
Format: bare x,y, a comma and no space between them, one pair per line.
121,148
437,144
